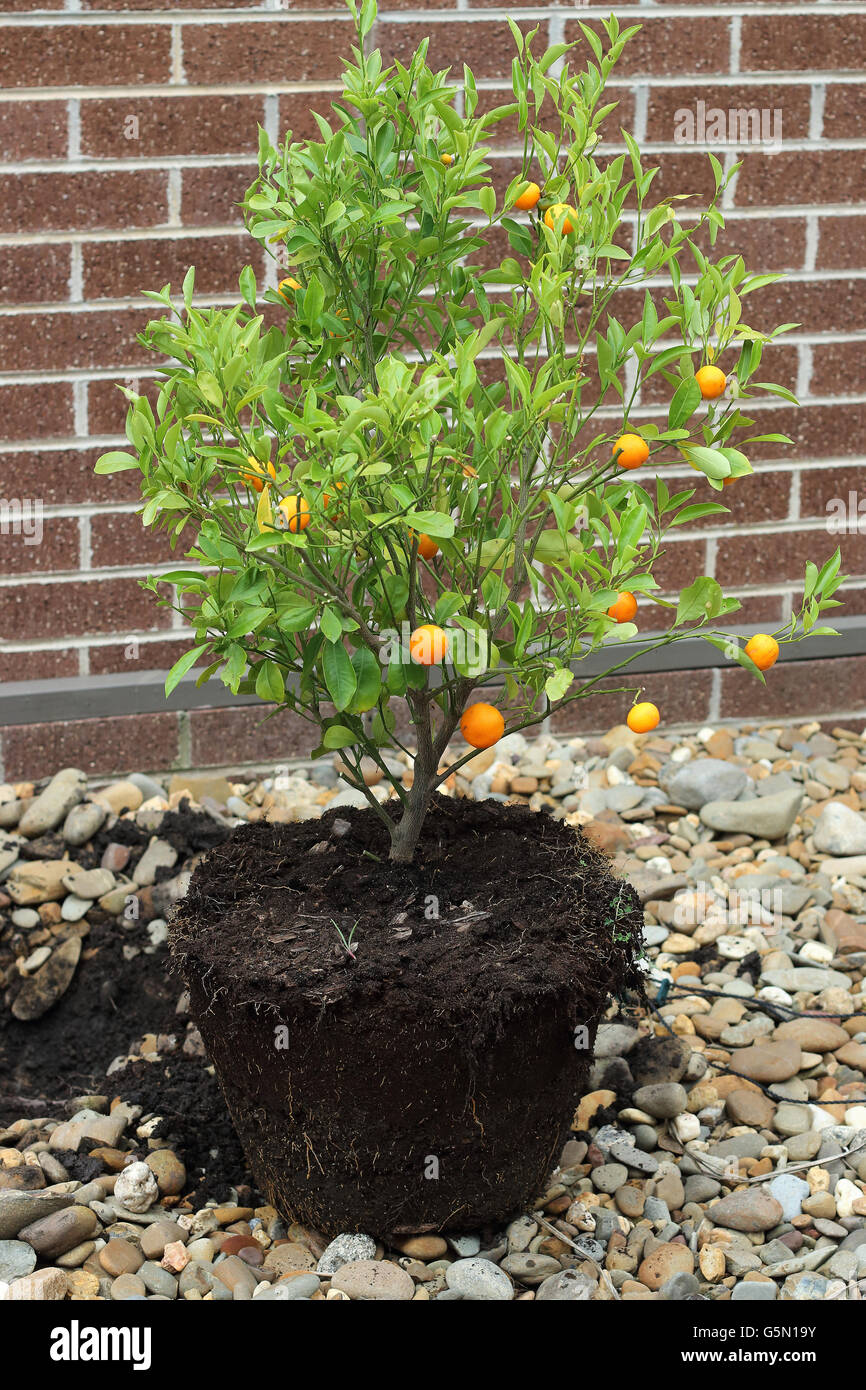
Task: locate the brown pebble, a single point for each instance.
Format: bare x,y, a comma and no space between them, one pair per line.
120,1257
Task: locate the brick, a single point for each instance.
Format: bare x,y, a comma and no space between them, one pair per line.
122,744
777,179
761,496
179,5
485,46
58,549
127,655
34,274
667,103
76,608
820,488
841,242
306,51
838,369
680,172
818,306
64,476
35,411
210,197
844,113
666,47
170,125
803,43
807,688
817,431
100,338
296,114
113,269
83,202
59,55
765,243
48,664
679,564
33,130
107,406
118,538
683,697
246,734
763,559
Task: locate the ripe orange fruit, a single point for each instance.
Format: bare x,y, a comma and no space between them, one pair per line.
763,650
293,514
528,197
428,645
427,547
643,717
290,283
559,211
257,478
624,609
712,382
555,212
326,496
446,159
482,725
631,451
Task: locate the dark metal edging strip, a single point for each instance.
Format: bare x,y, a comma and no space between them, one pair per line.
143,692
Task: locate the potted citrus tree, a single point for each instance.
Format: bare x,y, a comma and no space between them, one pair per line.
414,494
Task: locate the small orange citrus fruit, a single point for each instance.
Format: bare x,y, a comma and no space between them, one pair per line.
712,382
293,514
427,547
428,645
482,725
290,283
257,478
631,451
624,609
557,211
643,717
528,197
763,650
446,159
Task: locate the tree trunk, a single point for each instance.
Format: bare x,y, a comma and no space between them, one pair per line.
404,836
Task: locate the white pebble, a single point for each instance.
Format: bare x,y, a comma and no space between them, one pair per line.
136,1187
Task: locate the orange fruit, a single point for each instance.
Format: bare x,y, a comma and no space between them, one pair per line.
631,451
763,650
293,514
257,478
624,609
427,547
428,645
712,382
446,159
326,496
643,717
482,725
528,197
290,283
557,211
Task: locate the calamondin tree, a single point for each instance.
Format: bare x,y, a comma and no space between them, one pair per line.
416,474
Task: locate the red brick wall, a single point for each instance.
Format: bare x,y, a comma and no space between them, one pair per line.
127,133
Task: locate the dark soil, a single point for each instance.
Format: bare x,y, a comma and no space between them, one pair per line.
110,1003
439,1032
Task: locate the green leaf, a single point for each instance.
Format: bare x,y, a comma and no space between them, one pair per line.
180,668
331,625
116,462
338,736
369,677
339,674
684,403
247,282
270,684
437,524
556,685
